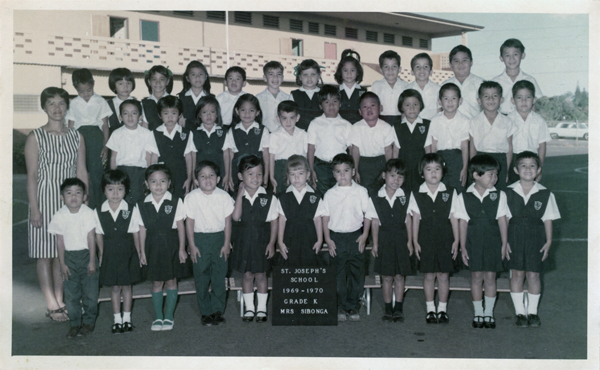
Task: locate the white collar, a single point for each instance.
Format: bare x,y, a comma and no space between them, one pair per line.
118,101
149,198
241,126
214,128
349,90
417,120
352,185
163,128
519,189
260,190
307,188
154,97
123,206
425,189
191,93
315,90
382,193
471,189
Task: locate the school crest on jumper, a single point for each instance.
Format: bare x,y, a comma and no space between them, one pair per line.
182,135
168,209
445,197
263,202
125,214
219,133
256,131
422,129
402,200
493,196
313,199
537,205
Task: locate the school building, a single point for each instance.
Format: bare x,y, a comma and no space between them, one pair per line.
49,45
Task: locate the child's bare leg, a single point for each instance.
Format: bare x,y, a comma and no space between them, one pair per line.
157,286
429,290
399,288
261,282
534,287
248,290
262,293
387,289
489,281
115,298
157,301
516,294
127,298
443,279
171,284
476,289
516,281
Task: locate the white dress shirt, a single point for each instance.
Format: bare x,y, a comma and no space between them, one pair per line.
507,84
491,138
530,133
430,95
389,95
372,141
227,102
346,207
330,136
208,211
283,145
74,227
90,113
130,145
449,133
268,108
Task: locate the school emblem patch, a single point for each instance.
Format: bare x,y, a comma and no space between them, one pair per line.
313,199
263,202
125,214
402,200
168,209
537,205
422,129
445,197
493,196
182,135
219,133
256,131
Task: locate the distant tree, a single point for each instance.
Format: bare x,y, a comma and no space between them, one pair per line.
566,107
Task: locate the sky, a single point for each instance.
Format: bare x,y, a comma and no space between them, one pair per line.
556,46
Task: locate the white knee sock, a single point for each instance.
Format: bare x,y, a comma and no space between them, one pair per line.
517,299
118,318
126,316
430,306
249,301
489,305
442,306
262,303
534,299
478,308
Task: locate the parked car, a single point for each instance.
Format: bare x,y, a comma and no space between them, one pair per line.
569,129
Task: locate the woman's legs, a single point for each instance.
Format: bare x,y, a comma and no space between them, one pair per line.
51,284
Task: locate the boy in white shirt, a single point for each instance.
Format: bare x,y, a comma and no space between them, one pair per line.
235,80
74,225
128,148
512,52
461,61
345,207
422,65
270,97
328,135
208,226
390,87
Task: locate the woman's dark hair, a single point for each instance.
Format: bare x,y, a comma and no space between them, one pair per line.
163,71
115,177
187,85
241,100
119,74
51,92
353,57
204,101
158,167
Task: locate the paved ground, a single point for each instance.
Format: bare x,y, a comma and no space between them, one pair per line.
563,309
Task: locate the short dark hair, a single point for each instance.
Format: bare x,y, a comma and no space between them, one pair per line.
526,155
512,43
413,61
119,74
158,167
170,101
234,69
432,158
238,104
204,101
481,163
368,95
51,92
396,165
353,57
296,161
187,85
410,93
389,54
303,66
342,158
115,177
71,181
449,86
248,162
287,106
82,76
273,64
163,71
327,91
460,49
489,85
204,164
133,102
523,84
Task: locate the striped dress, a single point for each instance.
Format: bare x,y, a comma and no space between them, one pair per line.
57,160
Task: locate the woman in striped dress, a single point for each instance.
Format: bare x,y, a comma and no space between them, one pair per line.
53,153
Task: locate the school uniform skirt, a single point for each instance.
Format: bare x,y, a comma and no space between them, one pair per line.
436,248
484,245
454,164
370,170
393,257
251,240
162,257
526,237
120,262
501,158
299,238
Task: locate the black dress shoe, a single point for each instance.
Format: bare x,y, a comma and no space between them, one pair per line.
478,322
207,320
218,318
431,318
127,327
261,318
248,318
522,321
533,321
443,317
117,329
398,316
489,322
387,316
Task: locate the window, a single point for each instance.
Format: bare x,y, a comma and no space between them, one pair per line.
242,17
182,12
26,103
149,31
351,33
407,41
313,27
216,16
389,38
270,21
424,44
297,49
296,25
118,28
372,36
330,30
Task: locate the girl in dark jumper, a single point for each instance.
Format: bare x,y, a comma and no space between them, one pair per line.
349,74
308,77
